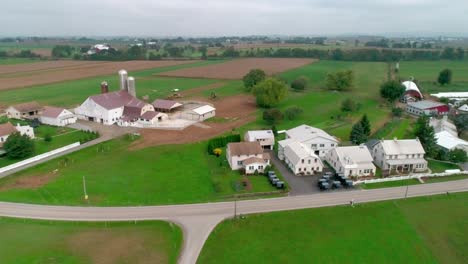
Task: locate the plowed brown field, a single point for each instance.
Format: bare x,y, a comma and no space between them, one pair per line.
23,75
236,69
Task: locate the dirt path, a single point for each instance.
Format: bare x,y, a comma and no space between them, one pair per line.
239,109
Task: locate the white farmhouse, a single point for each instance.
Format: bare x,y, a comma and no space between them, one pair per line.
56,116
314,138
248,156
301,160
399,156
7,129
266,138
352,161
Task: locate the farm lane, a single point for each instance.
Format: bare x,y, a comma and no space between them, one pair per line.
198,220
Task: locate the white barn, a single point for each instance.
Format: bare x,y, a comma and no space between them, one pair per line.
56,116
200,113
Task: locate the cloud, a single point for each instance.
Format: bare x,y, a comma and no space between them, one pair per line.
230,17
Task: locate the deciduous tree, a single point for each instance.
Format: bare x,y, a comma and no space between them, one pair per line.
270,92
392,90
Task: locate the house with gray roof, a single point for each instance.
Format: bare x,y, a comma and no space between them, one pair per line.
351,161
399,156
301,160
319,141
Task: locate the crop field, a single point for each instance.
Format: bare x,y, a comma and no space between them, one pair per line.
33,241
13,61
169,174
23,76
426,73
236,69
418,230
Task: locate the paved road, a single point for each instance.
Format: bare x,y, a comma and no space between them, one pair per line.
198,220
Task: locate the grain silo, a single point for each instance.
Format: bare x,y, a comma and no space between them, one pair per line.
131,86
104,87
123,75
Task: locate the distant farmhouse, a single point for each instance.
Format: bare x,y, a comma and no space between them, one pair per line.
248,156
399,156
266,138
56,116
28,110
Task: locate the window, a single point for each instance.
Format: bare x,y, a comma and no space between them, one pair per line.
260,167
315,160
300,169
251,168
332,145
302,161
322,145
309,161
314,145
239,162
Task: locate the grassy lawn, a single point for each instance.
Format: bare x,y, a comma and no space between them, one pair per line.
61,136
72,93
446,178
399,128
32,241
420,230
390,184
116,176
426,72
440,166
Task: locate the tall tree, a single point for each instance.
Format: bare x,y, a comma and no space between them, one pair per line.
270,92
445,77
18,146
358,136
253,78
426,134
366,127
392,90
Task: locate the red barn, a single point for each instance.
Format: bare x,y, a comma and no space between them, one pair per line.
427,107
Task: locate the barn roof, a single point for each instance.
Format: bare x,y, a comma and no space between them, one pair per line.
425,104
117,99
203,109
411,86
27,107
165,104
53,112
245,148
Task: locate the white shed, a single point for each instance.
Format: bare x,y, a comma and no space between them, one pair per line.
56,116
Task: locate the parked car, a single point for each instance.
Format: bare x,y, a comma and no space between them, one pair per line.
280,185
270,177
324,186
271,173
348,183
320,181
327,177
274,181
336,184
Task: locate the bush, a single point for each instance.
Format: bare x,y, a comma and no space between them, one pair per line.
299,84
18,146
457,156
397,111
272,116
293,112
47,138
221,142
349,105
217,152
340,81
253,78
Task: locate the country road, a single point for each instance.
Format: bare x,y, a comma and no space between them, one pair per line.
198,220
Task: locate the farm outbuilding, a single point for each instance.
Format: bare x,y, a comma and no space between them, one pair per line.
56,116
165,106
427,107
24,111
412,92
200,113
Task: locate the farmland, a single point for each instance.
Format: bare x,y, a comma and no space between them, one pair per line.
32,241
152,178
385,232
236,69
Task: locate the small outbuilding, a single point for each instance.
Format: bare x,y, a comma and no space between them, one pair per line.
24,111
165,106
266,138
56,116
200,113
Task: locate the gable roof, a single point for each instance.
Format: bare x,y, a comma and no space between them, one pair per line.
148,115
354,155
449,141
425,104
245,148
253,160
304,133
203,109
463,108
296,151
402,146
260,134
165,104
52,112
27,107
117,99
7,129
411,86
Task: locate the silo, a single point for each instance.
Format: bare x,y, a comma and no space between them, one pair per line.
131,86
104,87
123,75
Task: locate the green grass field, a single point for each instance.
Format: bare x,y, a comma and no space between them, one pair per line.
396,128
73,93
419,230
440,166
116,176
32,241
426,72
390,184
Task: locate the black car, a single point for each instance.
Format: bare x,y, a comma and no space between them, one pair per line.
280,185
274,181
348,183
271,173
324,186
336,184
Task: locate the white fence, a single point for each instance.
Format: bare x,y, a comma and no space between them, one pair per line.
413,176
38,157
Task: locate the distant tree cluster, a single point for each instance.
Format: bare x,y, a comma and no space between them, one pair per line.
62,51
340,81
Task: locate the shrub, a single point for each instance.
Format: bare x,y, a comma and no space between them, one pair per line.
47,138
299,84
457,156
340,81
397,111
217,152
293,112
18,146
349,105
272,116
221,142
253,78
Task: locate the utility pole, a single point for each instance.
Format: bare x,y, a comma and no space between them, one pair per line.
406,193
235,207
84,188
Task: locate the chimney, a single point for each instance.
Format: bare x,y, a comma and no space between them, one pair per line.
104,87
123,75
131,86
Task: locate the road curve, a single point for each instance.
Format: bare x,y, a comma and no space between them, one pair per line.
198,220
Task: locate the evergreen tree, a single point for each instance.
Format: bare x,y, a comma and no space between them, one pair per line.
445,77
358,135
426,135
365,125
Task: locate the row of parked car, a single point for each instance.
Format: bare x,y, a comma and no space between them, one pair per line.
330,181
275,181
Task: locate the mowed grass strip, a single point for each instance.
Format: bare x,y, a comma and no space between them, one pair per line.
419,230
32,241
171,174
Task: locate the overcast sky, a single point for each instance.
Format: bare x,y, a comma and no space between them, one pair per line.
231,17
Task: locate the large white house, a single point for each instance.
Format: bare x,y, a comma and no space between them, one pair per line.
56,116
352,161
397,156
301,159
7,129
248,156
316,139
266,138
